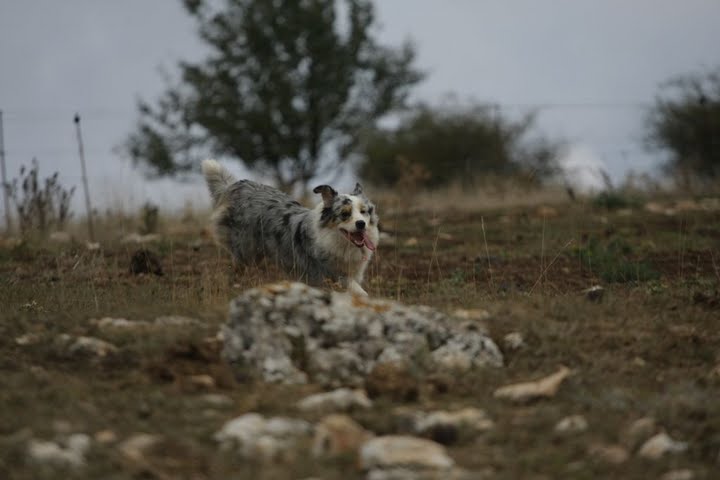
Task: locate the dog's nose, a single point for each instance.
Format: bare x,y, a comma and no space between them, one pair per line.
360,224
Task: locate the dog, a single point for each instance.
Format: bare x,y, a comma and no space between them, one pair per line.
333,241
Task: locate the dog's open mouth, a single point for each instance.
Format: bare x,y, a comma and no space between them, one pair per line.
359,239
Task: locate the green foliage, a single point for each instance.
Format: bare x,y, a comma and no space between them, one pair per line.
614,200
285,89
686,123
439,146
41,205
612,262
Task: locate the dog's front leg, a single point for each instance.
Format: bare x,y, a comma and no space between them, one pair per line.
355,288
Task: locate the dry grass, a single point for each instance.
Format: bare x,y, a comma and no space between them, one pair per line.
648,349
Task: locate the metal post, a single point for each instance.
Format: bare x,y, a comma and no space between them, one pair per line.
84,178
6,196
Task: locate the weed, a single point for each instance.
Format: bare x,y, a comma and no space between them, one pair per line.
150,218
613,263
40,205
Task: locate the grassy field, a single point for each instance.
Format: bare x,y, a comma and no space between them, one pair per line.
649,348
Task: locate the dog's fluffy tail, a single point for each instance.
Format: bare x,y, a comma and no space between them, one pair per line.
217,177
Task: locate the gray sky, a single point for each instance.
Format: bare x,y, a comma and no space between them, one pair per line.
589,66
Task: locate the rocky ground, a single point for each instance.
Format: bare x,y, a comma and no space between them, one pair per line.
554,342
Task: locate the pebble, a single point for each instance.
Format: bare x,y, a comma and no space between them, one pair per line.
341,399
659,445
543,388
395,451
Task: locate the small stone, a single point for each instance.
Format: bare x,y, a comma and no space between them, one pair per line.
475,314
337,434
679,474
71,454
27,339
217,400
136,447
202,381
270,439
513,341
92,246
544,388
105,436
395,451
638,431
87,346
411,242
659,445
594,293
342,399
572,424
613,454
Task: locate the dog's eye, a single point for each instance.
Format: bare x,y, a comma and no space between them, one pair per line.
362,212
345,215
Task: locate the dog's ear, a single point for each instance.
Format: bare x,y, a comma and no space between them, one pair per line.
358,189
328,194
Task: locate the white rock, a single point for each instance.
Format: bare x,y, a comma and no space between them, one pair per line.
87,345
545,387
71,454
659,445
217,400
268,439
341,399
514,341
639,431
341,337
395,451
135,447
467,418
613,454
572,424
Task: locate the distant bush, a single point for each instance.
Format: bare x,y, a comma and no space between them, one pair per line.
614,200
436,147
41,205
150,218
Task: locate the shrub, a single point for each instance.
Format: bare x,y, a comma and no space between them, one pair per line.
41,205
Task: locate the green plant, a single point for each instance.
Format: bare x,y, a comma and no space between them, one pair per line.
41,205
613,262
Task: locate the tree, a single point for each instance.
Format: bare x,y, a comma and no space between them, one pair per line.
685,122
437,146
285,89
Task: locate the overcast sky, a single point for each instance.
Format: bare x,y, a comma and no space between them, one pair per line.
590,67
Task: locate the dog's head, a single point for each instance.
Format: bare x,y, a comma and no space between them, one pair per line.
353,216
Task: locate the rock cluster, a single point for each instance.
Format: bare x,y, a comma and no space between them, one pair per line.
293,333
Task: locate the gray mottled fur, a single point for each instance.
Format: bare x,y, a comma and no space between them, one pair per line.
255,221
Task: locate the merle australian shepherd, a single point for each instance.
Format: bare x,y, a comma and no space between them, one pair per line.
333,241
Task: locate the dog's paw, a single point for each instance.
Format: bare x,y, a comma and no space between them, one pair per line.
355,288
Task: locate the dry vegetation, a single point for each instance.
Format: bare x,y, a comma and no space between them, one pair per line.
649,348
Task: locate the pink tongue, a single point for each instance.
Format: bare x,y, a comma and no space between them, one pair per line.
368,243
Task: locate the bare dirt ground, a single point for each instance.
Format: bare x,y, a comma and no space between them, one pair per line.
649,348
